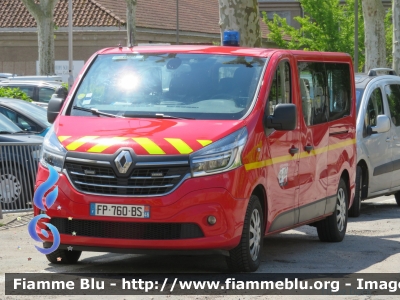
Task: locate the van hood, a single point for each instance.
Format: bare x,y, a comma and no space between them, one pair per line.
146,136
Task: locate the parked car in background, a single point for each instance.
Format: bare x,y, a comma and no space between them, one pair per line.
27,116
378,136
52,78
39,91
5,76
19,154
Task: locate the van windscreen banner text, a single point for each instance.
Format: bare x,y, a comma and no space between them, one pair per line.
202,284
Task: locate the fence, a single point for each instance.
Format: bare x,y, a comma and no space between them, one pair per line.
18,167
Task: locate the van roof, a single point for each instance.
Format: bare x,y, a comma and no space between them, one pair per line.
207,49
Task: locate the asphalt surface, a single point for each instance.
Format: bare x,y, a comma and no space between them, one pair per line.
371,245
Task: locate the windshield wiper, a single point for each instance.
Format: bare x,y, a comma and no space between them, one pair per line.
25,131
162,116
96,112
158,116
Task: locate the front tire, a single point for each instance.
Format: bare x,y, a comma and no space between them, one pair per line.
333,228
246,257
355,209
61,256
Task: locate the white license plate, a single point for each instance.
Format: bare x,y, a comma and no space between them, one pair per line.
120,210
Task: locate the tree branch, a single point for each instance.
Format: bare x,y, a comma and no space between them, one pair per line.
33,8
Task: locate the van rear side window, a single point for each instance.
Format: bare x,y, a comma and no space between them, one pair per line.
325,91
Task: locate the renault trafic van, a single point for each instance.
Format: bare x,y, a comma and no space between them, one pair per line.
200,148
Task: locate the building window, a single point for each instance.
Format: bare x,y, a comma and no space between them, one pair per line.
283,14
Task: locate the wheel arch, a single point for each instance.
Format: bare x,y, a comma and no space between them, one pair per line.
365,178
346,177
260,192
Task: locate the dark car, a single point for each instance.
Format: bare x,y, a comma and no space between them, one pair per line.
27,116
19,157
39,91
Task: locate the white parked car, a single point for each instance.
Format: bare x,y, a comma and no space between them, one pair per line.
378,136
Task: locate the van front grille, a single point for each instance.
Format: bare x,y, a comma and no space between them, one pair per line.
143,181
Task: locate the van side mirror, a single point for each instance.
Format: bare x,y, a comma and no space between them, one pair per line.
284,117
382,125
55,104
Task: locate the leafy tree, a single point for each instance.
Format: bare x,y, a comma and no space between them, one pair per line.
326,26
43,12
389,37
14,93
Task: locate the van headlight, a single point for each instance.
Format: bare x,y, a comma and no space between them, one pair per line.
221,156
53,153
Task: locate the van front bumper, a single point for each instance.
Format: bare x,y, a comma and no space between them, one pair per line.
174,224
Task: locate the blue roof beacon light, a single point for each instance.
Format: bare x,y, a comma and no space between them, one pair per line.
231,38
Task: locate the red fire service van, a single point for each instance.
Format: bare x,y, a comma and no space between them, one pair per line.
200,148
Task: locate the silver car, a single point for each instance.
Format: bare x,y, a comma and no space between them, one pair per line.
378,137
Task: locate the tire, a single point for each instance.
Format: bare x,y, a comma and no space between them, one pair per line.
397,197
333,228
246,257
65,257
11,189
354,210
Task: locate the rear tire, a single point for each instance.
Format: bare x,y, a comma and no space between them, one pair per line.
397,197
61,256
333,228
246,257
354,211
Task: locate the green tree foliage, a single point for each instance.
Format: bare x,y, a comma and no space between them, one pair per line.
389,37
326,26
14,93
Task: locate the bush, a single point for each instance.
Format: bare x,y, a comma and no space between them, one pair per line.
14,93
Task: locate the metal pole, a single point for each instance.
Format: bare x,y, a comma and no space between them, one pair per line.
71,66
356,36
177,22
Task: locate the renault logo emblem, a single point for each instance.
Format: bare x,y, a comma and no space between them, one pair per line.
123,161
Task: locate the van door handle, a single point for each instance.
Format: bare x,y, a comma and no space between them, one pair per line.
293,150
309,148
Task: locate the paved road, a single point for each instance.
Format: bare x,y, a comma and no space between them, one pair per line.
371,245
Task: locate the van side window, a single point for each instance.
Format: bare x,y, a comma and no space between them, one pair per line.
281,87
325,91
374,108
393,97
339,90
314,92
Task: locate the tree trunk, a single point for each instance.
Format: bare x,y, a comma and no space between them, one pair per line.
43,15
396,35
242,16
375,50
46,46
131,21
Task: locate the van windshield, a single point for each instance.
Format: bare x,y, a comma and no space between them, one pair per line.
193,86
